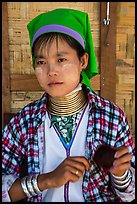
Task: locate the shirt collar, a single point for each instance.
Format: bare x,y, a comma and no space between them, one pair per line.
93,99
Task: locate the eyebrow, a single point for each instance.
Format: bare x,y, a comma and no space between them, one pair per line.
62,53
58,54
38,56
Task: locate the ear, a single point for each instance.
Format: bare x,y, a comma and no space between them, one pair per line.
84,61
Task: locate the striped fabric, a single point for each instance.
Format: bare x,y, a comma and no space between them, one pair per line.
107,124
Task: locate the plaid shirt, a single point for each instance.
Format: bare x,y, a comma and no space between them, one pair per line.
107,124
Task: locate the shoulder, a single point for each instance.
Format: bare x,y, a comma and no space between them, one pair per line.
29,114
103,105
35,107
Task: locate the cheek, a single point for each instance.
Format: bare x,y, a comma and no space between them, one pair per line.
38,71
40,75
71,69
73,73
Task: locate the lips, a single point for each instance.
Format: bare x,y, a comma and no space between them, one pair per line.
55,83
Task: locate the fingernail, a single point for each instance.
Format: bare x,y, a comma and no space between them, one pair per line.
114,163
115,156
111,169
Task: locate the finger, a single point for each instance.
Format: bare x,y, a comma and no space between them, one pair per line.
121,151
120,168
78,172
82,160
72,174
123,159
74,164
74,178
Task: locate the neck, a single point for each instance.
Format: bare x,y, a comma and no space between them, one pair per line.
67,105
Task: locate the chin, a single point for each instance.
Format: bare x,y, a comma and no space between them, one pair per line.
58,92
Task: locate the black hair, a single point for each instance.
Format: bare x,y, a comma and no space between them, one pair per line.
47,39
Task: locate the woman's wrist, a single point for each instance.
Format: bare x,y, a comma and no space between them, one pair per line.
120,177
122,182
45,181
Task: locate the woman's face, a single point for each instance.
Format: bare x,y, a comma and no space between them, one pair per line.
58,69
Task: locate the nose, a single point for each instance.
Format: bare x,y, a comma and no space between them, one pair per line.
52,70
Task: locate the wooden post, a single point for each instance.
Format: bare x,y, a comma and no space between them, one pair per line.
108,51
5,63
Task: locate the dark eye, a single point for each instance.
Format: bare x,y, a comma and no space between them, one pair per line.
40,62
61,60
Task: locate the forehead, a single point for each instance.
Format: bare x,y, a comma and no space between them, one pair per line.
56,45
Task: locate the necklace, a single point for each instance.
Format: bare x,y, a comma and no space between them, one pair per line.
67,105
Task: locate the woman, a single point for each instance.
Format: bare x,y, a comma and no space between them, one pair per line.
60,133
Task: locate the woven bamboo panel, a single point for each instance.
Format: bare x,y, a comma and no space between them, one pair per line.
125,52
21,99
126,93
19,15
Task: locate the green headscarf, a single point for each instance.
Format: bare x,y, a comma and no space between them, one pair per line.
73,23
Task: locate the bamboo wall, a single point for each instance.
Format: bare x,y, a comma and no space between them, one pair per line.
125,64
20,13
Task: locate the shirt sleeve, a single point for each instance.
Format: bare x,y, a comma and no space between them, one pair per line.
129,194
13,152
124,137
7,181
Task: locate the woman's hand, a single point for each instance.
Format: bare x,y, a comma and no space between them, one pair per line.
121,162
71,169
